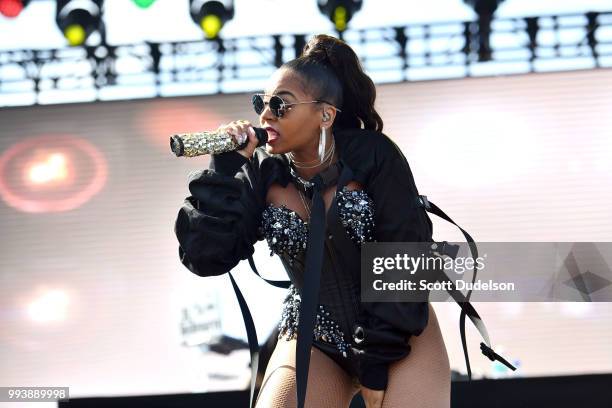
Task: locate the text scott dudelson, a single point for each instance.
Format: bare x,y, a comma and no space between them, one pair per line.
459,284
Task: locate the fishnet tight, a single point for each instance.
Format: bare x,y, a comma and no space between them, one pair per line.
421,380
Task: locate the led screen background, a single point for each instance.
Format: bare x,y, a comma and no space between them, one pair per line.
92,293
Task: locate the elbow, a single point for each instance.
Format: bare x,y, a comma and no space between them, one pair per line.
203,269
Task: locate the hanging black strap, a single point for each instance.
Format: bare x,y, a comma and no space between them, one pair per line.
251,337
254,348
250,329
312,274
284,284
310,292
464,301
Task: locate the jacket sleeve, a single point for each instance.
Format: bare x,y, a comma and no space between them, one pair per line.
217,225
387,326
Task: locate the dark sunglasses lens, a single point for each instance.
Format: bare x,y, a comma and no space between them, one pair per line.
258,104
276,106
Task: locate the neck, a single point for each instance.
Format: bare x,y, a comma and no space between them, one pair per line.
310,156
307,174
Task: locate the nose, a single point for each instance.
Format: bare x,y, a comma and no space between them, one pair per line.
266,115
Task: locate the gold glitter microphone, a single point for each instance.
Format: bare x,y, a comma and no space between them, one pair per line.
199,143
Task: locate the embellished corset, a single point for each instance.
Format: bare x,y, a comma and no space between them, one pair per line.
287,233
287,236
325,329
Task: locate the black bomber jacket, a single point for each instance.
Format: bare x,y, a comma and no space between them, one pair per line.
219,223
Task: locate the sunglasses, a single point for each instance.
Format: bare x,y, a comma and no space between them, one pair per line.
277,105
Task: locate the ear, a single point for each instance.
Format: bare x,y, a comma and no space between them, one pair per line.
328,116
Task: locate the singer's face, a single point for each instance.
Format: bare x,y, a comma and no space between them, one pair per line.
299,128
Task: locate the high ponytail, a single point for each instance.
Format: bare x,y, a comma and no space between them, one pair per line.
333,72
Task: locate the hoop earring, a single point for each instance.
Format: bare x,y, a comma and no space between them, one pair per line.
322,140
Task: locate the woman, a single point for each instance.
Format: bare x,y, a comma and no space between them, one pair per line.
327,181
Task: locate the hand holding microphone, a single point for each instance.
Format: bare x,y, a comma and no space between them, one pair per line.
242,131
239,135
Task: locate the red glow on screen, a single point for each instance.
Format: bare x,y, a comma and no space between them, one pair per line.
51,173
11,8
51,170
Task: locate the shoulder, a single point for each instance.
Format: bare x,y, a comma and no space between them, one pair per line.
364,142
365,151
271,167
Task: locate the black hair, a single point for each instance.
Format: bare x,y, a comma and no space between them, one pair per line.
333,73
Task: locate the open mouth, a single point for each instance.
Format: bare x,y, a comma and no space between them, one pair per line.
272,134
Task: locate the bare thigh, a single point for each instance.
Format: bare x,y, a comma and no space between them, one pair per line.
422,379
329,386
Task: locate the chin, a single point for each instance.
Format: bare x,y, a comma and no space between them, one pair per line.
274,149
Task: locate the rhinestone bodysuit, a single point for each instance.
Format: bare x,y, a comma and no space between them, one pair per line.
287,234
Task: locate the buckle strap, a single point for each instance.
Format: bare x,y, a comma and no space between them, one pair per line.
444,248
489,352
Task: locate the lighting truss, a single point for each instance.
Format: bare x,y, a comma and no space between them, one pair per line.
389,55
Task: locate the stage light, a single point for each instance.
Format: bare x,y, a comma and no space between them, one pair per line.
78,19
340,18
50,306
211,25
12,8
51,173
75,34
340,12
52,169
144,3
211,16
